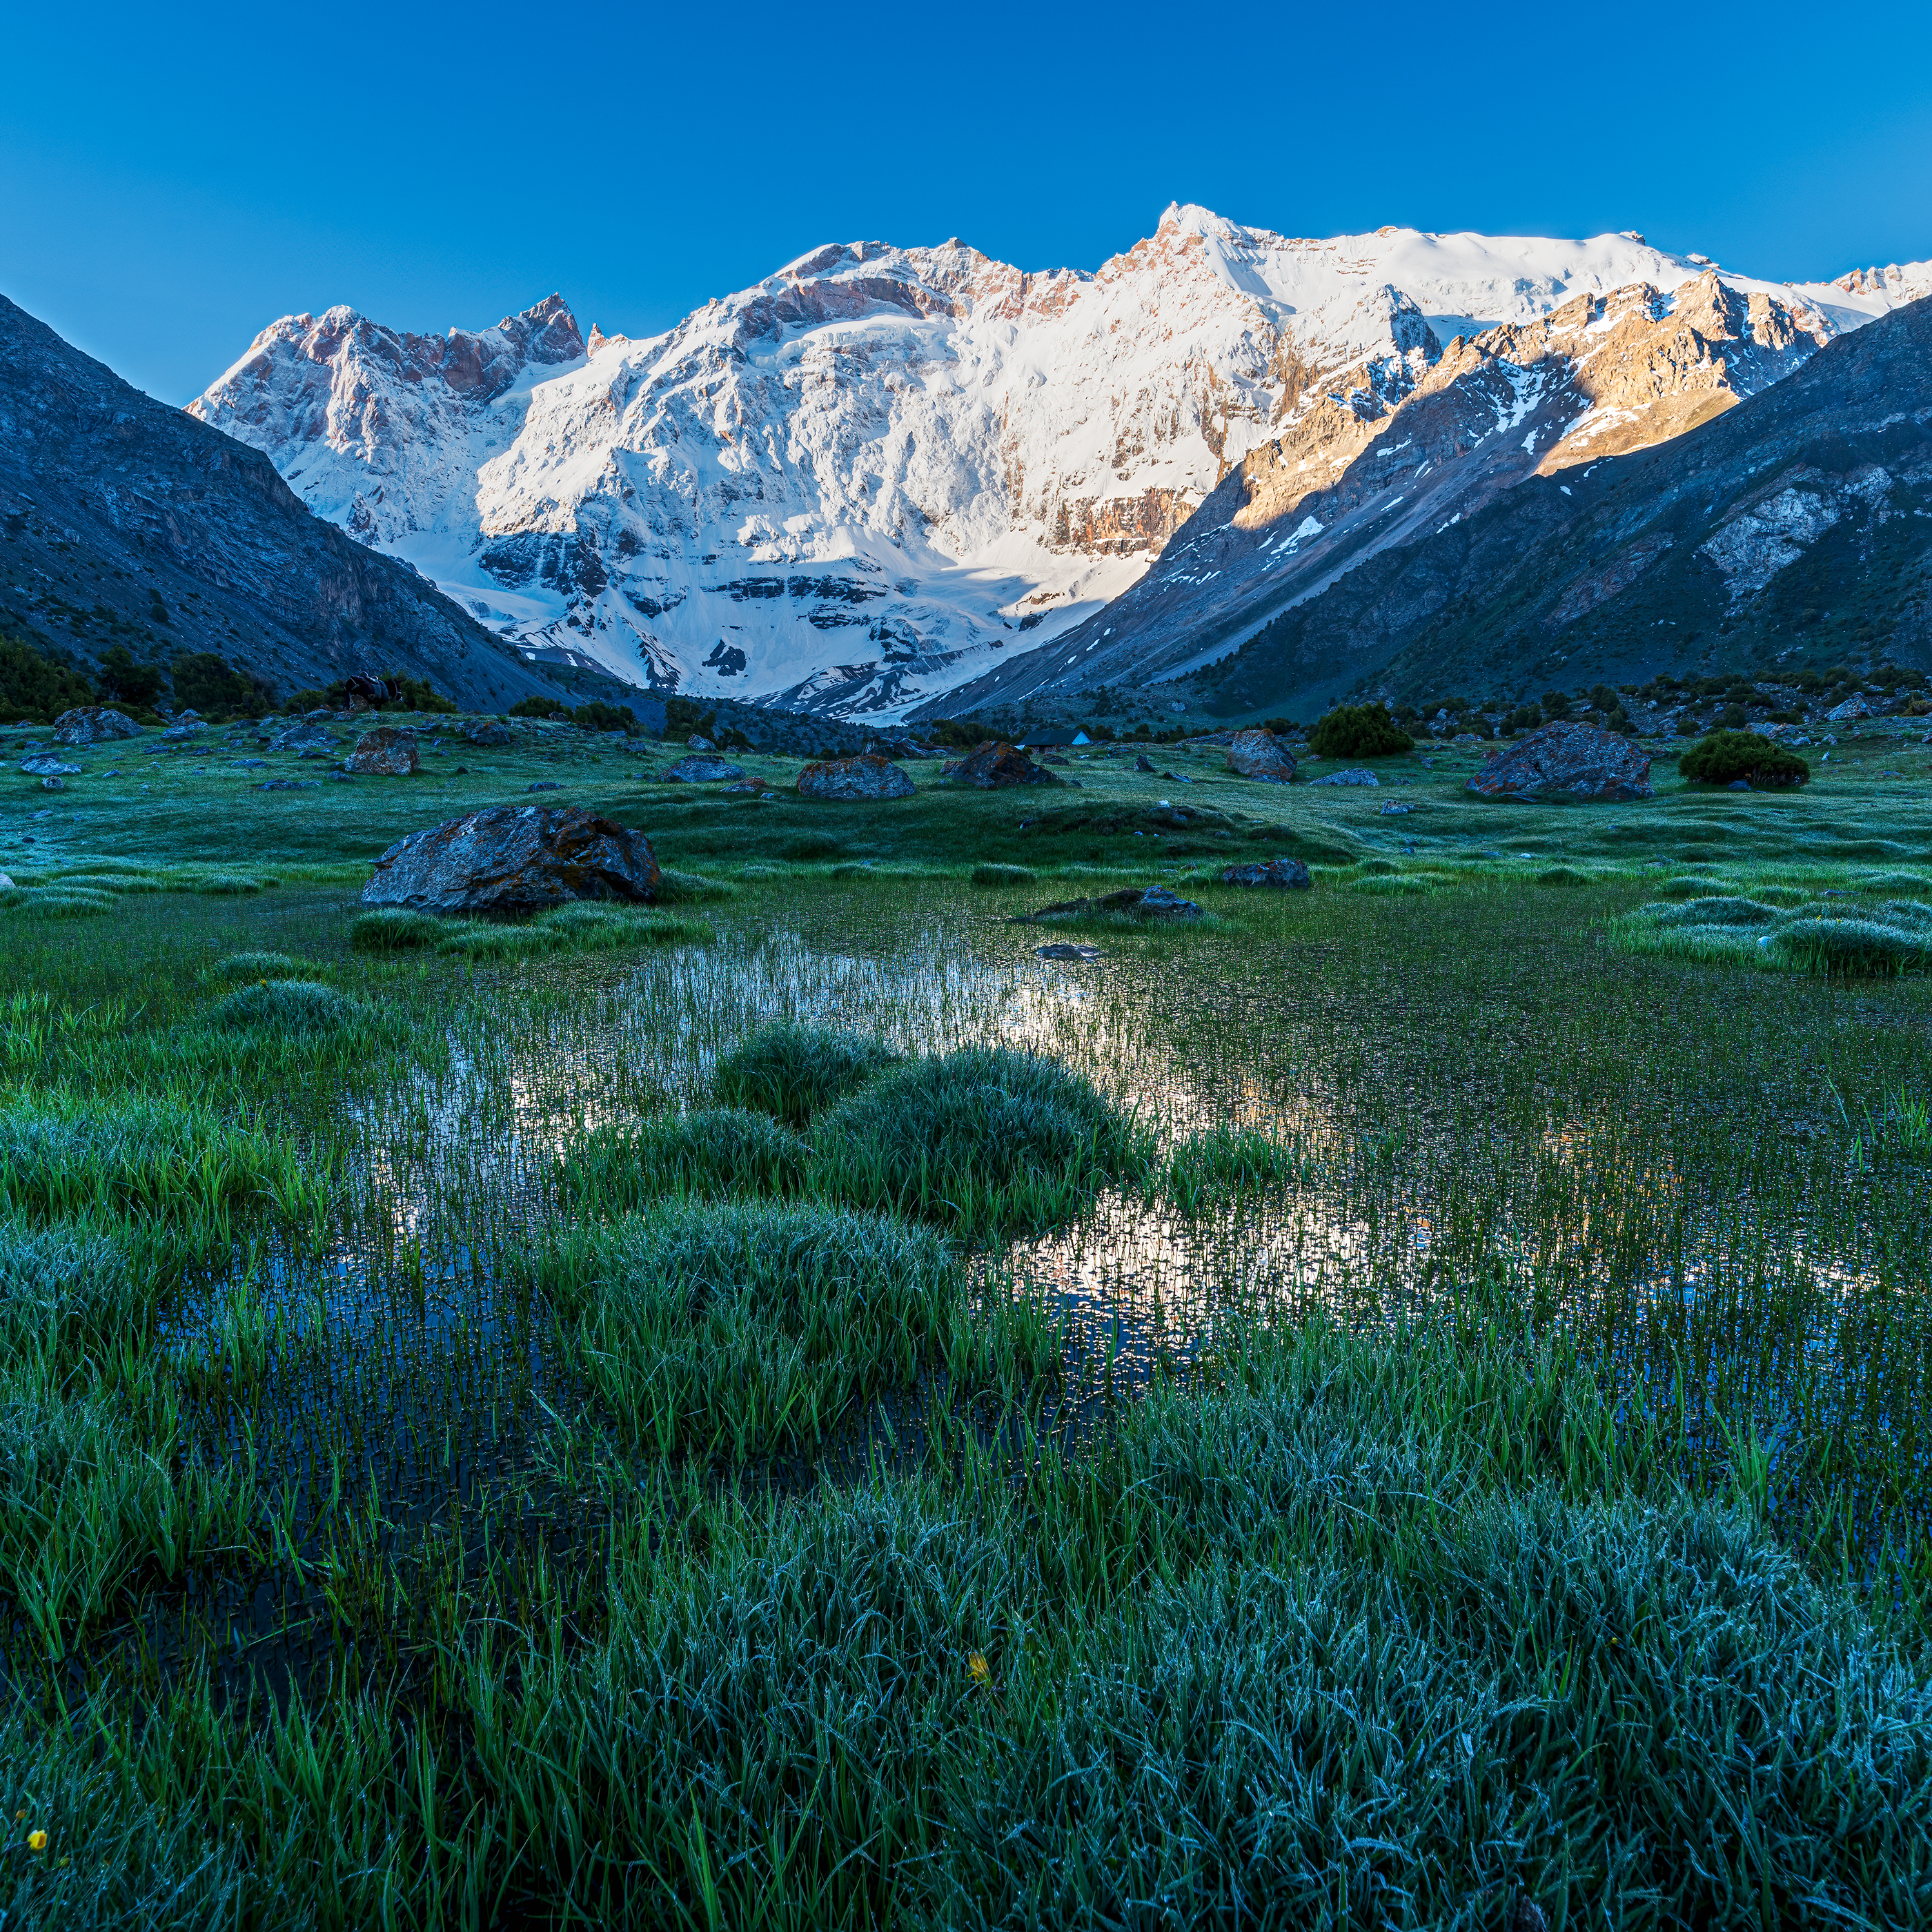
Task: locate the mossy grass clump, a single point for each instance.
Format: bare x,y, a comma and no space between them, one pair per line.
1386,885
228,885
743,1329
677,888
64,1156
61,902
1852,948
298,1006
1725,756
806,846
596,925
1562,875
475,939
64,1281
792,1072
715,1153
240,968
1359,731
990,874
981,1139
396,929
1718,910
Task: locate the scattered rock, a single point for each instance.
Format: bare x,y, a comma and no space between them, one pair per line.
1143,763
53,784
996,764
386,752
45,765
6,883
1566,761
865,776
305,737
1290,875
701,770
1355,778
515,858
486,733
1392,810
93,725
744,788
1259,754
1853,708
1136,901
544,784
184,727
696,743
250,764
290,784
1066,948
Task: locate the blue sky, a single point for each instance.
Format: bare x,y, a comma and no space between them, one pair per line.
171,179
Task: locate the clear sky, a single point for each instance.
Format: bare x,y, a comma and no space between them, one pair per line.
172,178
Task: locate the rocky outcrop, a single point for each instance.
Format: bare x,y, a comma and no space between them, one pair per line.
387,753
861,777
1576,761
993,767
1283,874
700,768
1259,754
515,858
93,725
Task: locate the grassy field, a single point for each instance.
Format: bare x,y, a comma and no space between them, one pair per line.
1387,1406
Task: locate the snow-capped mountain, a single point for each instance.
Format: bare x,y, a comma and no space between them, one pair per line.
867,480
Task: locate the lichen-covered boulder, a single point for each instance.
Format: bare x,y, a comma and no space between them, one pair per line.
45,765
386,752
1286,874
702,769
865,776
1259,754
487,734
1580,761
992,766
515,858
1357,777
305,734
93,725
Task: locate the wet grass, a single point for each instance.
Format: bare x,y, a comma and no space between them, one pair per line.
1389,1407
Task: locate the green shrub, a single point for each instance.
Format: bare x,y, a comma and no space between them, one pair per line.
396,929
238,967
208,684
990,874
1724,757
291,1005
1855,948
792,1072
1359,731
598,716
746,1329
720,1151
34,688
983,1138
538,707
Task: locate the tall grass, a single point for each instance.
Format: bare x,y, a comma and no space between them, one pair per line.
792,1072
716,1152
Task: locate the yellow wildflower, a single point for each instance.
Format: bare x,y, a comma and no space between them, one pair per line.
37,1841
982,1671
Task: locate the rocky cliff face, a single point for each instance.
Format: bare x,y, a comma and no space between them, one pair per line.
122,520
1795,531
864,481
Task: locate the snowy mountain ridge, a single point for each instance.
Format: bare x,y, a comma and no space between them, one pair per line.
864,481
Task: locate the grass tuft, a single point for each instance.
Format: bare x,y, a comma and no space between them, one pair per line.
793,1072
396,929
719,1151
239,968
303,1006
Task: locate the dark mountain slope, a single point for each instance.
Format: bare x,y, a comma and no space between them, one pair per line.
1795,529
123,521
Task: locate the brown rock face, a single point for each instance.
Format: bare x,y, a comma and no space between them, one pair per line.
996,764
1260,754
862,777
386,753
1566,761
93,725
515,858
1285,875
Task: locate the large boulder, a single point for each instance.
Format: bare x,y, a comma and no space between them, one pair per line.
1259,754
305,734
487,732
996,764
93,725
1578,761
866,776
701,769
515,858
1287,874
1357,777
45,765
386,753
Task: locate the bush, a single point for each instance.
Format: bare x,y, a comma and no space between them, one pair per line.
396,929
36,689
1359,731
124,681
982,1139
1725,756
718,1152
290,1006
598,716
1854,948
415,693
990,874
203,682
538,707
792,1072
749,1328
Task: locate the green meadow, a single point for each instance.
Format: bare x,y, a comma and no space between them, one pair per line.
1404,1404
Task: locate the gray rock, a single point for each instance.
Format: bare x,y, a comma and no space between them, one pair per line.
305,736
1066,948
93,725
1287,874
46,765
1143,763
53,784
486,733
515,858
696,743
1577,761
1354,777
385,752
866,776
702,770
544,784
1258,753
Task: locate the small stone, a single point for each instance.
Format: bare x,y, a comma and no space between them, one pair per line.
53,784
1392,810
1287,874
249,764
1738,784
544,784
1142,762
290,785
